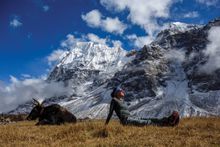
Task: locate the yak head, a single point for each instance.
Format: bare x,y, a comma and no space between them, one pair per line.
36,111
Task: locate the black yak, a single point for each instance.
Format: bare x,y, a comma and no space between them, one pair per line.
53,114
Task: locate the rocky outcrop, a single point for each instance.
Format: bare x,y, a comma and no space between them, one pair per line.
141,77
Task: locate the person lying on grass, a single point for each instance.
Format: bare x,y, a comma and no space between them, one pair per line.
121,110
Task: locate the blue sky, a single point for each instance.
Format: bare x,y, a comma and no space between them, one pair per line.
32,30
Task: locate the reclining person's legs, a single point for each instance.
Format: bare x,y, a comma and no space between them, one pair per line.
138,122
172,120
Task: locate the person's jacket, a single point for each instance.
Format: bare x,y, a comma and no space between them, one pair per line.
120,109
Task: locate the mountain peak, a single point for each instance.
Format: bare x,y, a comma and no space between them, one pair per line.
182,27
91,56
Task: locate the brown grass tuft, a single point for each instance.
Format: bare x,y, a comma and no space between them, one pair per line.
195,132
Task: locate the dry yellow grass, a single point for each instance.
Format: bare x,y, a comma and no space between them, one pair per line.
192,132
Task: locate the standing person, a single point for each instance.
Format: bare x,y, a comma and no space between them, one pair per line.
121,110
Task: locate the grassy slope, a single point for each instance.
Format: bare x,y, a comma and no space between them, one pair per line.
190,132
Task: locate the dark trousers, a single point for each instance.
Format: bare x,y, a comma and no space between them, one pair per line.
143,121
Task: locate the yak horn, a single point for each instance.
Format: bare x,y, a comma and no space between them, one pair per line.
36,102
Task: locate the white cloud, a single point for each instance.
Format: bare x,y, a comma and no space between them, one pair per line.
142,12
139,41
20,91
207,2
177,55
117,43
192,14
15,23
95,19
70,41
113,25
26,75
106,41
212,51
96,39
56,55
46,8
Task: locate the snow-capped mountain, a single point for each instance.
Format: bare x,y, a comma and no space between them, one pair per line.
88,56
166,75
85,69
161,77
